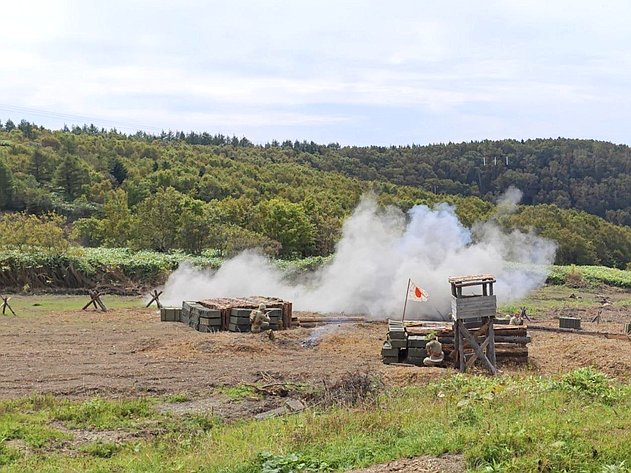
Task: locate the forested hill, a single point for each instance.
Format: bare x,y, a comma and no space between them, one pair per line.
198,191
588,175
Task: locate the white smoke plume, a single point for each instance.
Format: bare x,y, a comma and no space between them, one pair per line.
508,201
379,250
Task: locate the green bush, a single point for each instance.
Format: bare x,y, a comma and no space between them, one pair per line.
590,383
290,463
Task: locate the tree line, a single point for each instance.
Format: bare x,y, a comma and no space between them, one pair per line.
195,191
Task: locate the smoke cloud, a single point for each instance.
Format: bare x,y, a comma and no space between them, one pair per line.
379,250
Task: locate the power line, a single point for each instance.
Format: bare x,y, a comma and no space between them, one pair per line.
76,118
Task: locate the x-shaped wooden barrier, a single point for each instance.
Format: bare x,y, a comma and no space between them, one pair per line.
485,351
155,297
5,305
95,299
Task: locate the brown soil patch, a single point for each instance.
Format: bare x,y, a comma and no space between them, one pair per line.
125,353
424,464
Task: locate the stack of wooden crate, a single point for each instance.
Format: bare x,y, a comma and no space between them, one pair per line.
212,315
394,349
170,314
239,320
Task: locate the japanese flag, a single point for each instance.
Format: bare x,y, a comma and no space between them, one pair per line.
416,293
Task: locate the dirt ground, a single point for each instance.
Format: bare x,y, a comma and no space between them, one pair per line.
424,464
129,352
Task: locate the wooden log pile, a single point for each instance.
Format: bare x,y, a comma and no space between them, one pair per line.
511,341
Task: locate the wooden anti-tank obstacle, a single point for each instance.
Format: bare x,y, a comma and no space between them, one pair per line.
5,305
95,299
155,297
467,307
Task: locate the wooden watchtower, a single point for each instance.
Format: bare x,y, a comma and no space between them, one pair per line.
466,309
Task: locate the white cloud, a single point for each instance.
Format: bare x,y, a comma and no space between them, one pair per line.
247,65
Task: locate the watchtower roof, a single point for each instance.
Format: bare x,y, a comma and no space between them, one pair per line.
478,279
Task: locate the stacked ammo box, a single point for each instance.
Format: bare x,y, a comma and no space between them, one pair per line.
401,347
170,314
240,319
416,349
232,314
200,318
395,347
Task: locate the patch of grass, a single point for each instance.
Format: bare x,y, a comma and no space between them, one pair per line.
28,420
8,455
239,391
177,398
100,449
290,463
514,424
591,384
591,275
551,298
101,414
36,305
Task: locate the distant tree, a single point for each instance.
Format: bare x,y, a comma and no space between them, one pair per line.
118,222
27,129
158,218
118,171
9,125
6,185
41,165
288,224
72,176
27,232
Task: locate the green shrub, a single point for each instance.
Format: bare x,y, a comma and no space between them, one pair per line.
290,463
590,383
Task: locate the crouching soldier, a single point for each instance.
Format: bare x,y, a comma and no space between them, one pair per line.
435,355
259,320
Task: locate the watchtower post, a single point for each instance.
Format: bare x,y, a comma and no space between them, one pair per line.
467,308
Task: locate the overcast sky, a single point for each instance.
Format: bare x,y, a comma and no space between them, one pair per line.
353,72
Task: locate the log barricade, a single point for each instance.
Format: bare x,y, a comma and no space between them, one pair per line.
405,342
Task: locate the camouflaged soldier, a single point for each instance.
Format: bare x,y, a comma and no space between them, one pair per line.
516,319
435,353
259,320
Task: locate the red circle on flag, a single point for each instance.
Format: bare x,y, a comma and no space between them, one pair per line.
417,292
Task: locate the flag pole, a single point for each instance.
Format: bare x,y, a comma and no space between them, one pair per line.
407,291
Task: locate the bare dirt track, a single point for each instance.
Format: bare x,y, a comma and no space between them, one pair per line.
129,352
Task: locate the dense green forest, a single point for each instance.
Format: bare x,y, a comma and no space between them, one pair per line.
198,191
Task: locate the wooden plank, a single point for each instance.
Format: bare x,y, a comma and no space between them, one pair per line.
491,345
476,277
614,336
460,341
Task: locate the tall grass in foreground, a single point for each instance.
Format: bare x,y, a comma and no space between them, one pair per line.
581,422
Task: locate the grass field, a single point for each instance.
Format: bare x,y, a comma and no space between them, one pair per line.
579,422
32,306
575,422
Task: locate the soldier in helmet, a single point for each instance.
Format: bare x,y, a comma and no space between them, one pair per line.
259,320
435,355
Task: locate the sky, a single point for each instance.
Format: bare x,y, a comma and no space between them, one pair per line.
352,72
